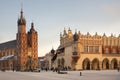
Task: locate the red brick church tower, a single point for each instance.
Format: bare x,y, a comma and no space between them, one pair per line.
27,45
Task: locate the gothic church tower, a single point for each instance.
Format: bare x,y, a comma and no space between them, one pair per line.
27,45
33,45
21,42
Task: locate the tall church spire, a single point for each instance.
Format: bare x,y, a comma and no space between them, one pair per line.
21,20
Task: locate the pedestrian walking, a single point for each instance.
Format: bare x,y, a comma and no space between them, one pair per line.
80,73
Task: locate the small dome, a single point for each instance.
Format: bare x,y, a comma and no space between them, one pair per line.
21,21
52,51
32,30
76,36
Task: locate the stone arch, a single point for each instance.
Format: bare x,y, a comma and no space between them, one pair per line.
114,63
105,64
86,64
95,64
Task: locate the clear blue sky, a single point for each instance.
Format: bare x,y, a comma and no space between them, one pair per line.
51,16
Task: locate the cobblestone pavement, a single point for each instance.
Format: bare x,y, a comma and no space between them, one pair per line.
71,75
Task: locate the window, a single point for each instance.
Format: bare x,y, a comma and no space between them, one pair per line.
90,48
85,48
107,50
114,50
97,49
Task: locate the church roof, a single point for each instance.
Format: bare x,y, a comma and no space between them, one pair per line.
8,45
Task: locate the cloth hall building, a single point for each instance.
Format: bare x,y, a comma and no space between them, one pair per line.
21,53
86,52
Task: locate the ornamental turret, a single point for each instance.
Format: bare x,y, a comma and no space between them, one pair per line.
32,30
76,36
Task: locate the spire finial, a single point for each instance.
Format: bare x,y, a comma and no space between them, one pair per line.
21,10
21,13
65,31
32,25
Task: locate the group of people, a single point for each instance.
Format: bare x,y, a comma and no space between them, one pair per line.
56,69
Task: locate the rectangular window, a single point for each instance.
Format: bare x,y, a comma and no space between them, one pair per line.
86,49
96,49
90,49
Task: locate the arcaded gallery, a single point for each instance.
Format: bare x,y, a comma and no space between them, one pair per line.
87,52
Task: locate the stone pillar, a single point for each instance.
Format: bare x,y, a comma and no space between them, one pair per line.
90,65
100,65
119,64
110,66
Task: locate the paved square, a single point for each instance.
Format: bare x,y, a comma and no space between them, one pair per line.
72,75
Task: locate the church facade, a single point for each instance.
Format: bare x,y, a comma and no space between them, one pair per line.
22,53
86,52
